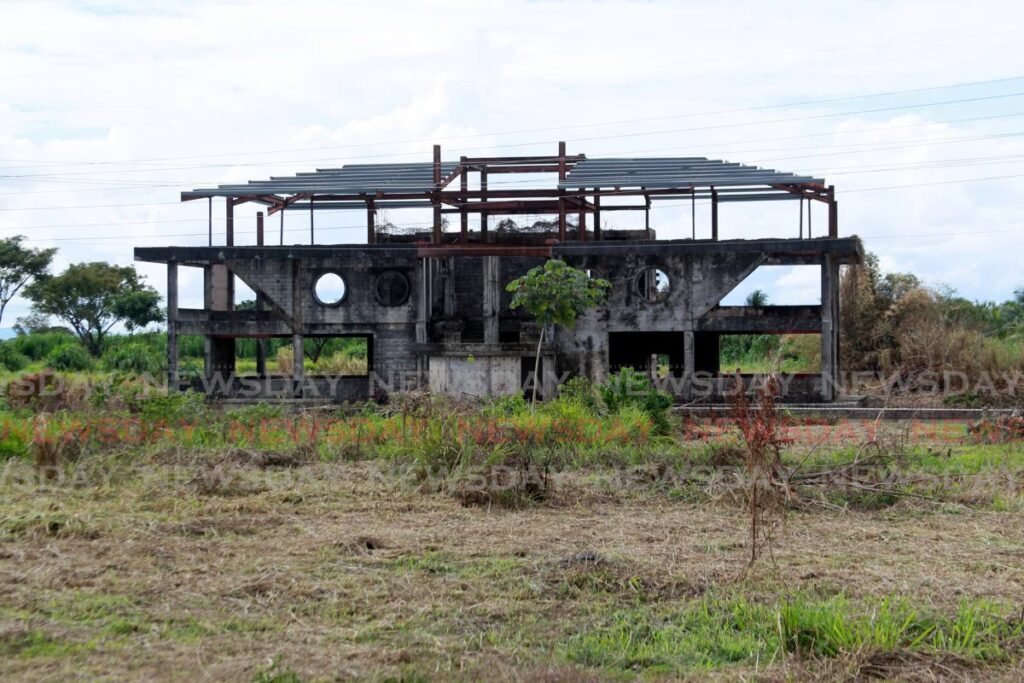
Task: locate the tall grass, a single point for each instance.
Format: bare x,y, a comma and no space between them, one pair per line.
714,631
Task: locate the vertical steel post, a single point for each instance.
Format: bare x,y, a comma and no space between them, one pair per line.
229,221
582,222
833,212
597,214
561,193
647,217
371,222
282,226
801,217
483,198
438,237
464,186
209,218
693,213
714,214
312,239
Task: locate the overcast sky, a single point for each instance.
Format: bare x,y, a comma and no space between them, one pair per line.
109,109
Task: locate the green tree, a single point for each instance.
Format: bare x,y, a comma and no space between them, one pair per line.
555,294
18,265
757,298
93,297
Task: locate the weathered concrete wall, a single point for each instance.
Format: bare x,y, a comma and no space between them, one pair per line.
449,308
486,376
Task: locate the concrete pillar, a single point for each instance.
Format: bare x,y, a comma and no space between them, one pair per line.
298,352
688,364
218,295
449,287
422,299
829,327
492,298
172,327
261,343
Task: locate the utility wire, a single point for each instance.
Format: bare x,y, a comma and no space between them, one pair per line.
610,123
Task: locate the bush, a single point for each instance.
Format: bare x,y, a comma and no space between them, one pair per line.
136,358
581,391
39,345
69,358
10,359
634,389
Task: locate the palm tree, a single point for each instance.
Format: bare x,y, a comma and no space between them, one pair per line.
757,299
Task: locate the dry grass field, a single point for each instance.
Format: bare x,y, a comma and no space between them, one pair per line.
179,564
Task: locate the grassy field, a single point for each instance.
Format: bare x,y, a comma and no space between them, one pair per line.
258,546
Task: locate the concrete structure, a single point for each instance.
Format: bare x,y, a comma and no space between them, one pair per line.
433,306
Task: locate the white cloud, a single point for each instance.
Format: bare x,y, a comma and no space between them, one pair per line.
88,92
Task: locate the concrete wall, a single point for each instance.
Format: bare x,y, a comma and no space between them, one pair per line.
457,307
486,376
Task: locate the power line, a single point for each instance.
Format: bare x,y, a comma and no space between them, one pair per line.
159,184
592,125
927,142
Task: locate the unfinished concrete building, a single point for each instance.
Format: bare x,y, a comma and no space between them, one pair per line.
432,305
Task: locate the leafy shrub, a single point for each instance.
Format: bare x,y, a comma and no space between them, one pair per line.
505,406
69,358
184,406
39,345
581,391
137,358
632,388
10,359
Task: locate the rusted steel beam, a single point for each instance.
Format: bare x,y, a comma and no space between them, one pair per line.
520,206
525,159
427,250
539,168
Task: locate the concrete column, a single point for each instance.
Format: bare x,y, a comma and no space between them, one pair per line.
261,343
829,328
688,364
492,297
449,287
298,352
422,299
172,327
219,358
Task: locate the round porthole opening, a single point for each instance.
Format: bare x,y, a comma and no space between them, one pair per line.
653,285
392,288
329,289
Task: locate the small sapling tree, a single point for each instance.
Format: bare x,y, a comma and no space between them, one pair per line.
555,294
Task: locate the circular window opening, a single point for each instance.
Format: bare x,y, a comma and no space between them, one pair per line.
392,288
653,285
329,289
